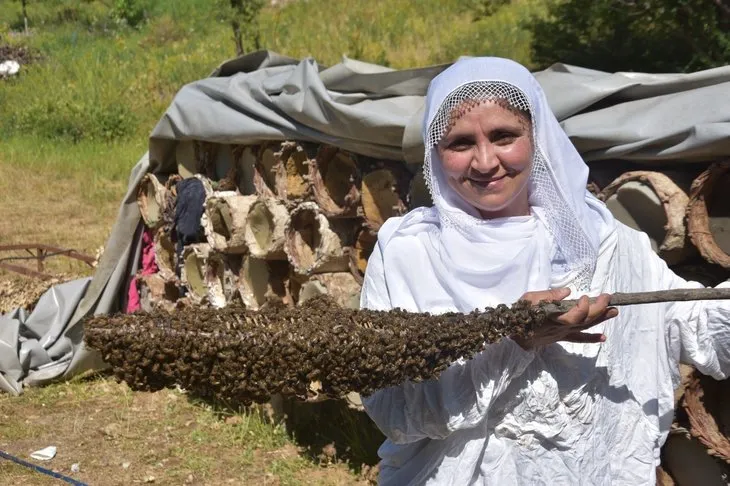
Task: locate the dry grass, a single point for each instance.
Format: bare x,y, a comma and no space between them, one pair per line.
49,207
120,437
102,425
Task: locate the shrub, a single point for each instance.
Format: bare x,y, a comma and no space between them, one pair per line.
632,35
72,120
129,12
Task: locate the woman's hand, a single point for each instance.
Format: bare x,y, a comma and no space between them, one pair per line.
569,326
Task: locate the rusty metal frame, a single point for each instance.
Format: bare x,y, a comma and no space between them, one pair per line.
39,252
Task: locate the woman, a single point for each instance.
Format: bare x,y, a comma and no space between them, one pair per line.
512,218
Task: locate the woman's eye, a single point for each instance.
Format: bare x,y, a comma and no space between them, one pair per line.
459,144
504,138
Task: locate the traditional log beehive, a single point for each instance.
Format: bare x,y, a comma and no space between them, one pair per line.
287,222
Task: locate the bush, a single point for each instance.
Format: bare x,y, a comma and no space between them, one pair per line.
72,120
129,12
91,14
633,35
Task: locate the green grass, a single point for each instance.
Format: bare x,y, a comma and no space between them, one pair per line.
101,86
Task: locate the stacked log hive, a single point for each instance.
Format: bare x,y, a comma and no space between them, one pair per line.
281,219
685,211
288,221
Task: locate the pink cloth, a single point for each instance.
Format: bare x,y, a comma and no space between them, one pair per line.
149,266
133,304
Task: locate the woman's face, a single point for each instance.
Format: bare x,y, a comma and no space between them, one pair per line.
487,158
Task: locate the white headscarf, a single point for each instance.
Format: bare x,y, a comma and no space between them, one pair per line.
447,257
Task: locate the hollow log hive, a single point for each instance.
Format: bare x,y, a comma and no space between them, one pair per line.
287,222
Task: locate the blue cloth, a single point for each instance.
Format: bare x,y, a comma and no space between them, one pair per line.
188,213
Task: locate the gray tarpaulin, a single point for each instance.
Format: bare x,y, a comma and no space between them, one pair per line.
370,110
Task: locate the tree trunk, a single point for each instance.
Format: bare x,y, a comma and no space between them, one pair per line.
25,15
237,37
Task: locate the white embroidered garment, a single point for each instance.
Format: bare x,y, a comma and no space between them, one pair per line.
565,414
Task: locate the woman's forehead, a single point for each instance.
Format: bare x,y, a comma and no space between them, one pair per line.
490,111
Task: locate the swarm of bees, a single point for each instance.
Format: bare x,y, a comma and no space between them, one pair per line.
241,356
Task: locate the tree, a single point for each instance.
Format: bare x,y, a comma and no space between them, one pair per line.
243,17
634,35
24,4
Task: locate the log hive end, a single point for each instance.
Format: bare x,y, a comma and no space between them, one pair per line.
708,214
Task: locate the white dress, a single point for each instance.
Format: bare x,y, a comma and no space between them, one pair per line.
568,414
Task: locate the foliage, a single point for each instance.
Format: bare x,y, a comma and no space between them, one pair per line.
243,15
481,9
91,14
129,12
100,81
634,35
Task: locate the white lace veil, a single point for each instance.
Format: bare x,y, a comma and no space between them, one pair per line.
576,221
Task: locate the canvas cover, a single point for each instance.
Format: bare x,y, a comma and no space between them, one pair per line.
370,110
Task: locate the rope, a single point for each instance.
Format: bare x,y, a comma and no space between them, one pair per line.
40,469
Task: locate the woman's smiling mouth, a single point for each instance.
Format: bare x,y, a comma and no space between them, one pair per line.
484,183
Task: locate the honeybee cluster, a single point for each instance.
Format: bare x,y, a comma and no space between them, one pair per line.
240,356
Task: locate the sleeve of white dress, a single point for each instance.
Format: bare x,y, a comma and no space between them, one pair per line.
458,399
698,332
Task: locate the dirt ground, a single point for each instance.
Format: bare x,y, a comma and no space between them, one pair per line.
119,437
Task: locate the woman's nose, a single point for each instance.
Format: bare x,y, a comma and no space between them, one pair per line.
485,157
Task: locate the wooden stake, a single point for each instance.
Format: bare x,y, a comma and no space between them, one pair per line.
674,295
